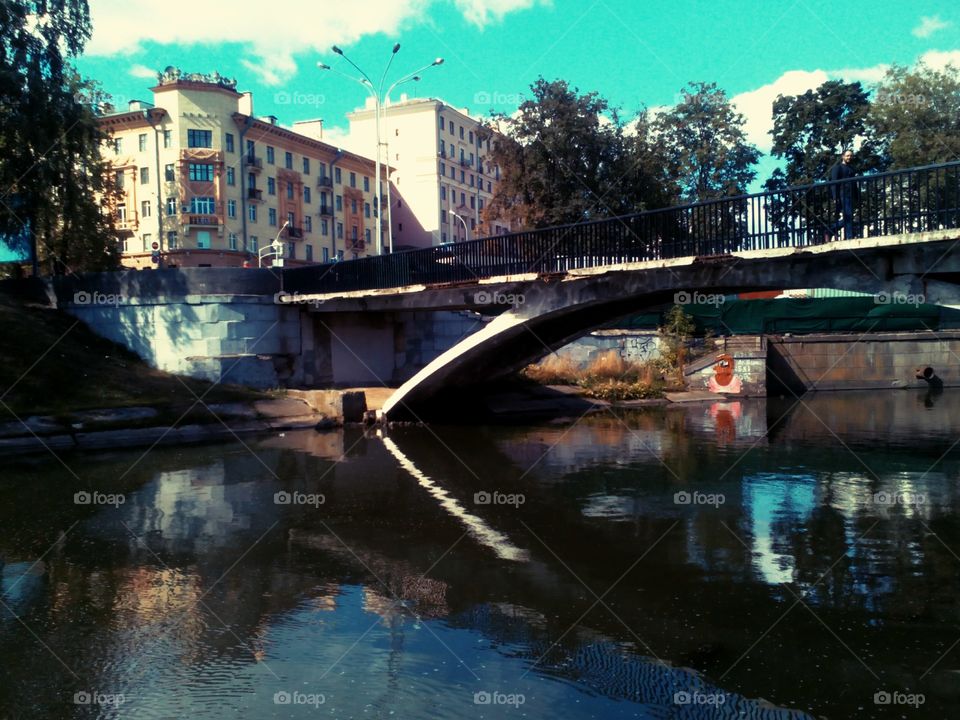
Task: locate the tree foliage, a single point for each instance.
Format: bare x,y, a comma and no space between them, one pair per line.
51,172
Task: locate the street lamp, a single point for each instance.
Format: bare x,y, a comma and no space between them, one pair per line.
376,92
466,233
274,248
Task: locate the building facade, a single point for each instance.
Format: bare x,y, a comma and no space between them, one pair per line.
203,182
442,178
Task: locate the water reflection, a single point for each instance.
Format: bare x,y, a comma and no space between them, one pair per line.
723,560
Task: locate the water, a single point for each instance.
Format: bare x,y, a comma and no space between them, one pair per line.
748,559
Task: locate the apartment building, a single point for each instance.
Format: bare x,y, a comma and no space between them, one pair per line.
203,182
442,177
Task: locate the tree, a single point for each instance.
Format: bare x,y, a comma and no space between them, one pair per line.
706,149
51,172
561,160
916,115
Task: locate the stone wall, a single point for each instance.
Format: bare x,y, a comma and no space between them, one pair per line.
631,345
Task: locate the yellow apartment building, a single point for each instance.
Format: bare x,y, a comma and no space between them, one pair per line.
442,178
205,183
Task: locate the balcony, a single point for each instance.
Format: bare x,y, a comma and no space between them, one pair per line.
203,220
251,162
465,163
325,211
324,182
294,233
254,194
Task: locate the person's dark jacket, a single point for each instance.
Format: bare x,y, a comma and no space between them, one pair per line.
842,171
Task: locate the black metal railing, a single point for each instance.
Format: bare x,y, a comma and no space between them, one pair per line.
891,203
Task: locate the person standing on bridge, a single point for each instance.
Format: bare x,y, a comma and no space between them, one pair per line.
844,194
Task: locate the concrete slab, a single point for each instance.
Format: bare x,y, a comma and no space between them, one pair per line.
283,407
694,396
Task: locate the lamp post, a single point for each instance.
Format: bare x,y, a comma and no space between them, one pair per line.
376,92
273,248
466,233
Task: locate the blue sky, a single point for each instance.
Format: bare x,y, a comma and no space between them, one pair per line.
632,52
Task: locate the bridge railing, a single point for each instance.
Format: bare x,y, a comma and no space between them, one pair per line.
891,203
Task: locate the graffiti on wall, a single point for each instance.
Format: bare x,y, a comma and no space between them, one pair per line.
724,379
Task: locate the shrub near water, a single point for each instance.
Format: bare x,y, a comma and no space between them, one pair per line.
607,377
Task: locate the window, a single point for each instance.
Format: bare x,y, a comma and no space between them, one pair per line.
443,217
451,128
366,235
463,199
145,209
291,219
489,186
366,184
121,214
354,234
323,170
453,172
272,217
199,138
473,203
309,250
306,194
171,240
167,138
326,254
171,206
337,176
289,191
306,166
339,255
231,176
353,179
252,213
142,141
443,192
251,149
144,175
254,243
308,223
353,205
202,205
229,142
203,239
366,209
443,169
147,242
288,161
231,208
271,186
441,122
323,226
118,145
252,181
443,237
292,250
463,176
461,132
339,203
473,223
270,152
480,203
471,137
201,172
443,149
340,231
232,241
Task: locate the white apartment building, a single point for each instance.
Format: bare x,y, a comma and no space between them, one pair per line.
442,178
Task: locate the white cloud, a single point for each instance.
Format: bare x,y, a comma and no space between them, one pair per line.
929,25
757,105
142,71
940,59
273,35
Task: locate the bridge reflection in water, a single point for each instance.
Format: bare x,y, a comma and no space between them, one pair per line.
656,561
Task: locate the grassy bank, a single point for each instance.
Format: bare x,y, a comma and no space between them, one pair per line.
52,364
607,377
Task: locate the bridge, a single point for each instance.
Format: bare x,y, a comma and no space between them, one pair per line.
548,287
394,319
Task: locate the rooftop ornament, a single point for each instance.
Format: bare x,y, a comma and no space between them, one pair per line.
174,75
